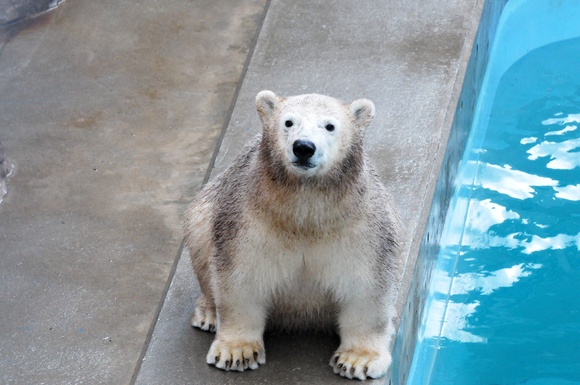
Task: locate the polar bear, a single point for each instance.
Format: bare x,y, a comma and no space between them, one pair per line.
298,234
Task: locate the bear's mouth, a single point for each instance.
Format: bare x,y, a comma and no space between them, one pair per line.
304,165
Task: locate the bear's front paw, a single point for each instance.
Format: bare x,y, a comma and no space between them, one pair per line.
360,363
236,355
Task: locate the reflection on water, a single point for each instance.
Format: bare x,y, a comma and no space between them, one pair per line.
571,193
486,282
504,305
515,183
564,155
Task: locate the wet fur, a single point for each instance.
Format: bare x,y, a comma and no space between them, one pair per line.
298,251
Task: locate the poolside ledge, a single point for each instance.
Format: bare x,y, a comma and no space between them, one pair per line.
410,58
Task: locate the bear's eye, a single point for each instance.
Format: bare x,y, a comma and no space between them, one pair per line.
329,127
288,123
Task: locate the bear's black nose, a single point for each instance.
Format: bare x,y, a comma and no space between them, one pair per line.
303,149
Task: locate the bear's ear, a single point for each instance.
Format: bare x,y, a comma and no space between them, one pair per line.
266,101
363,111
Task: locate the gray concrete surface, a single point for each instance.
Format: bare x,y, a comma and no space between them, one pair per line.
409,57
110,112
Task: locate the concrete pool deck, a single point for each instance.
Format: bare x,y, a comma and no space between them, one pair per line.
110,114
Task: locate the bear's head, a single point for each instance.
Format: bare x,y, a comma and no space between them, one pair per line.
313,135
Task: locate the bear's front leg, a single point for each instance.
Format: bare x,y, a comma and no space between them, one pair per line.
365,337
239,342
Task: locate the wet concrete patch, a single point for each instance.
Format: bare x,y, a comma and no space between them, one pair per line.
13,11
6,168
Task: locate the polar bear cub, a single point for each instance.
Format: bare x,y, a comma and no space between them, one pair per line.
298,234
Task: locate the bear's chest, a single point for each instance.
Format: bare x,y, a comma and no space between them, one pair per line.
286,262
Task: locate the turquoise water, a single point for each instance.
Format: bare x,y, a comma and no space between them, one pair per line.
504,306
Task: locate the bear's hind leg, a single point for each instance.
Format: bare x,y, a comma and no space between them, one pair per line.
204,316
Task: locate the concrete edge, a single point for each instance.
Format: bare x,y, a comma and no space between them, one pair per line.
455,88
427,232
456,128
446,120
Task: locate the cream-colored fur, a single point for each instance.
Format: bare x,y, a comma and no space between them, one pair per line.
292,241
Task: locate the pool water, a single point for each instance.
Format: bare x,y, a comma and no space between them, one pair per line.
504,305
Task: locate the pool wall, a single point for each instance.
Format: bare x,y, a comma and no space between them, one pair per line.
444,189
